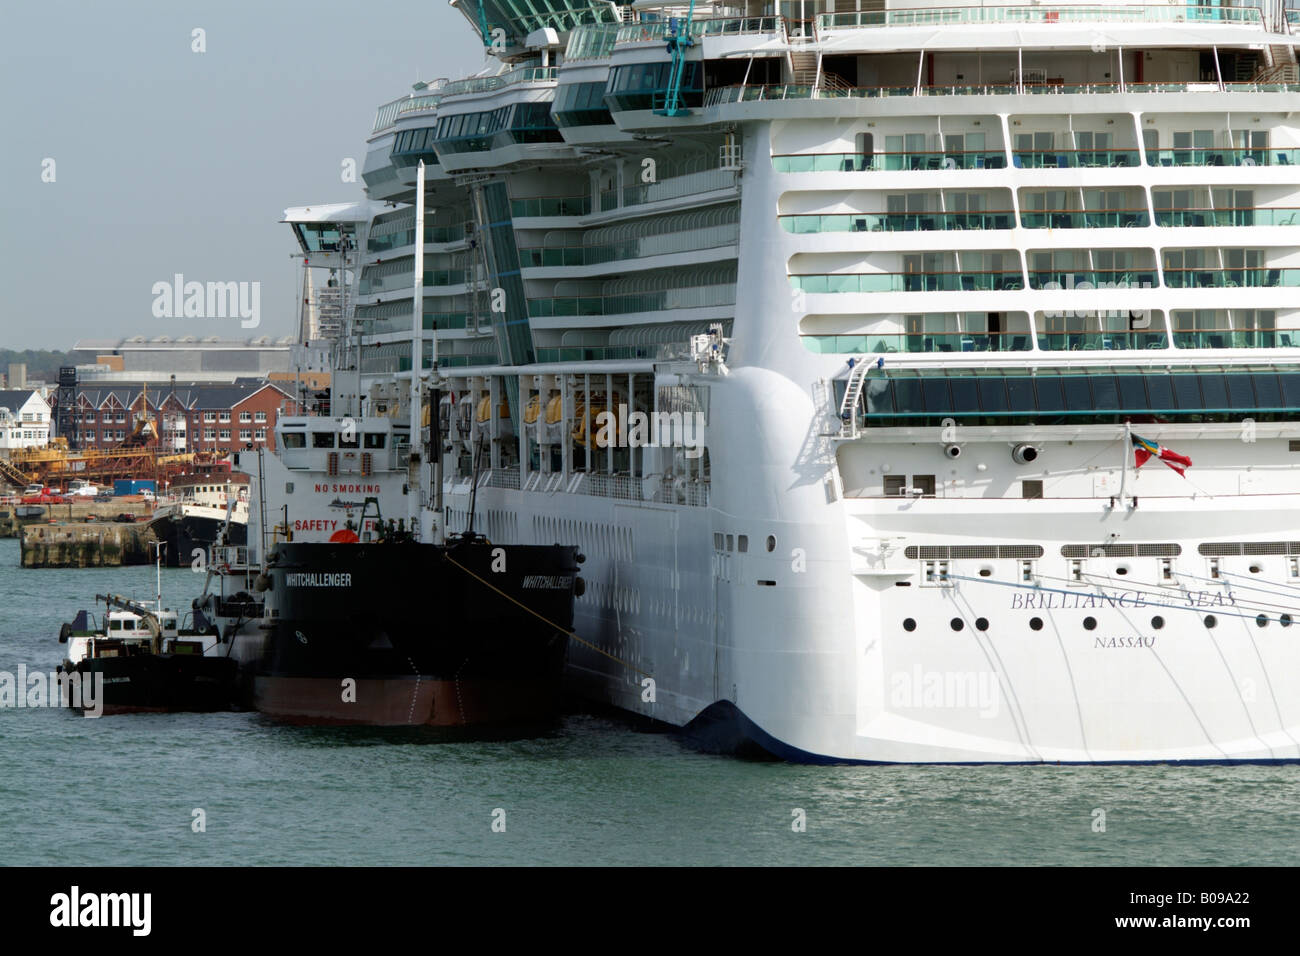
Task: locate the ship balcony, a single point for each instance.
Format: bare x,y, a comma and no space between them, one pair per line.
1101,340
701,297
633,247
390,243
545,207
1094,279
966,281
1231,278
1192,156
522,76
655,31
1075,158
878,343
433,322
888,161
1242,216
1236,338
897,221
404,280
1085,219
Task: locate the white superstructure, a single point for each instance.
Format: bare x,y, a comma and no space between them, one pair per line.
878,296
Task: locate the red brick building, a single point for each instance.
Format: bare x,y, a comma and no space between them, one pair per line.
189,417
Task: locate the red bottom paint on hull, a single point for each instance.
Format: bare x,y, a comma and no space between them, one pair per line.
405,701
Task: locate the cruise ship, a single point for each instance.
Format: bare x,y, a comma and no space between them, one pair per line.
920,380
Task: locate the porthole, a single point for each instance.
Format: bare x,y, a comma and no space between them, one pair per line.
771,542
956,624
1089,623
1122,569
986,572
1255,569
1285,620
1157,622
1211,620
1035,623
909,624
982,623
1261,620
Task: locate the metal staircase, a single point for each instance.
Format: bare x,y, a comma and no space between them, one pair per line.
1279,65
10,474
803,67
853,393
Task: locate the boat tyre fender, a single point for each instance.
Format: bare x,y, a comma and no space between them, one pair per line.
65,632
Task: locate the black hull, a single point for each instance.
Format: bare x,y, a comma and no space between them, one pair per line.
461,635
163,683
188,533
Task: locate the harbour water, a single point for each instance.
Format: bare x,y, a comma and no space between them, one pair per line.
125,790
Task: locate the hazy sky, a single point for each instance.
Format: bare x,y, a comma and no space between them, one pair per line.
168,160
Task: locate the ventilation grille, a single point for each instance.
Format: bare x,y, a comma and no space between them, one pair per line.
1121,550
1217,548
931,552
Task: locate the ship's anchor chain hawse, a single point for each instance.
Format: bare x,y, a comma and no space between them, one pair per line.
545,620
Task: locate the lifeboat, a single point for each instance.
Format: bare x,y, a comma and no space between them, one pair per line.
552,433
483,415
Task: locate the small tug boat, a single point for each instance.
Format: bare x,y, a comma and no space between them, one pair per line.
148,662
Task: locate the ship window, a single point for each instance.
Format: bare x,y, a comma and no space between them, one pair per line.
293,440
1187,391
935,392
1050,396
374,440
322,439
1161,392
1020,392
731,542
1031,489
115,625
964,394
1214,390
349,439
1132,390
993,394
1241,392
1104,392
894,485
1267,393
742,544
924,485
1077,395
717,540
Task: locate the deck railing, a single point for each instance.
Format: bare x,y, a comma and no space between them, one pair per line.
908,282
723,95
1100,13
484,84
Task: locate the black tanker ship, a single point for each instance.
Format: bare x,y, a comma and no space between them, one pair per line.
397,632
